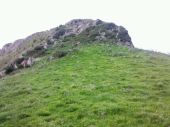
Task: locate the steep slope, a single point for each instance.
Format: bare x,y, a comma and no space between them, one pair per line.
95,85
91,29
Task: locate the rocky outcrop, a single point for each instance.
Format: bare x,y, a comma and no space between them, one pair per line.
94,30
109,32
102,31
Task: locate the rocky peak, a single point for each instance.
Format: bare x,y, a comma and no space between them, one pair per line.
79,25
100,29
75,26
90,30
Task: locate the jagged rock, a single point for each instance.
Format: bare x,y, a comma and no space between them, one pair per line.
123,35
98,22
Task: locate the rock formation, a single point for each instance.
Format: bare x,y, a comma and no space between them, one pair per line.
93,30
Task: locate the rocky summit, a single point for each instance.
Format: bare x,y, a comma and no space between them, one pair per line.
95,30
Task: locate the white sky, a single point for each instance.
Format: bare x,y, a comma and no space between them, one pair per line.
148,21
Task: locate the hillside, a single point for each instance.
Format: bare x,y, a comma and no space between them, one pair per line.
85,73
99,85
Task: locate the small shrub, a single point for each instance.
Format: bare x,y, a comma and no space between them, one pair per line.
50,42
60,32
2,105
37,52
118,54
40,47
60,54
19,60
44,113
23,116
9,69
3,118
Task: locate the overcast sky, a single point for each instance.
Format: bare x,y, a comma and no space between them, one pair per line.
148,21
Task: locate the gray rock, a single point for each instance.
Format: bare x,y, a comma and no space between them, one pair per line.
92,29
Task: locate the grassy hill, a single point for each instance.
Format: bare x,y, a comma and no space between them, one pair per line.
95,85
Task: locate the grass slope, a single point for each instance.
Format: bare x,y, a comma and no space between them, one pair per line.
101,85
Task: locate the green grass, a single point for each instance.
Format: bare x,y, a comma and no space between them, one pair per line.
101,85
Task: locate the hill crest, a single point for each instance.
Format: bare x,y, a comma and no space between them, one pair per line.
95,30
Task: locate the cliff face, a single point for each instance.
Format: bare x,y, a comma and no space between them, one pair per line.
94,30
